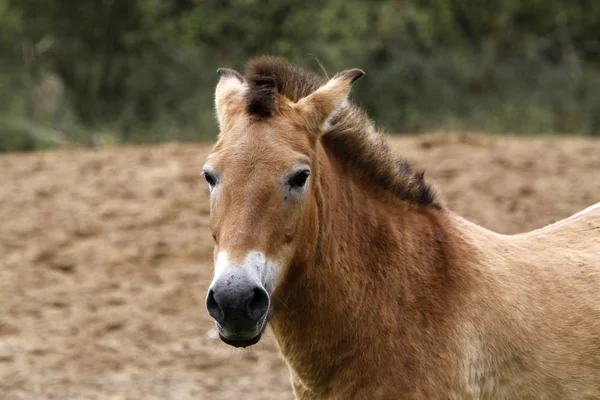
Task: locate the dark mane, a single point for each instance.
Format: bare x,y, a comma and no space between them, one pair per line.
267,75
350,135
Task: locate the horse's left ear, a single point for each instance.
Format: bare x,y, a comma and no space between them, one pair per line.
229,95
318,107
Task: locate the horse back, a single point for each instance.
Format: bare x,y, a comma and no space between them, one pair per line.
547,288
579,231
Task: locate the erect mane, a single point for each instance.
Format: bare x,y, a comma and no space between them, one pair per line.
267,75
350,134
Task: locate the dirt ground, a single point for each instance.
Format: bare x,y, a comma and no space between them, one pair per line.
105,258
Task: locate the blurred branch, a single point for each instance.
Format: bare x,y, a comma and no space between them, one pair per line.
38,132
569,54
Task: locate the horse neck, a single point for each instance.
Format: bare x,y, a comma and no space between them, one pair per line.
375,263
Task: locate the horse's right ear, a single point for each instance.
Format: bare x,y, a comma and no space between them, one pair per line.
229,95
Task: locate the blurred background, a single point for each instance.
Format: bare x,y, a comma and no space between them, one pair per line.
106,252
140,71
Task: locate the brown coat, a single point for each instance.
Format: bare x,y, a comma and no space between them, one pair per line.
381,291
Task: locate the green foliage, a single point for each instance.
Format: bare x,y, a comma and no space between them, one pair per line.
441,92
15,137
144,70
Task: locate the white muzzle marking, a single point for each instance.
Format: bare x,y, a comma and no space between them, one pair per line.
254,265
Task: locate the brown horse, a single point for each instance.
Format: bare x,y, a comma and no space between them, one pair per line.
372,287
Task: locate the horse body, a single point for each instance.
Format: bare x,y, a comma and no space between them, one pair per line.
481,316
534,318
373,289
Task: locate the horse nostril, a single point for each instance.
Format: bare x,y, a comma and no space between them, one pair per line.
214,310
258,304
235,305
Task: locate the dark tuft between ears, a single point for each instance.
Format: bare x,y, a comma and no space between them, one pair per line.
260,100
352,74
226,73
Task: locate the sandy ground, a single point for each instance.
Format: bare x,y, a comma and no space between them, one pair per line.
105,258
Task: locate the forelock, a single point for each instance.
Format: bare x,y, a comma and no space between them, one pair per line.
269,76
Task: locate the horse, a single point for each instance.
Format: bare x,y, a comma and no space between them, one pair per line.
372,287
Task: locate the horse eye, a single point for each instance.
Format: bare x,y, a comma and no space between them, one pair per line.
298,180
210,178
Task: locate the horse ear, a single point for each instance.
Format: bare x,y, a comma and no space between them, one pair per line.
321,105
229,95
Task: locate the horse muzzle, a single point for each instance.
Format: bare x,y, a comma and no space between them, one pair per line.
239,304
